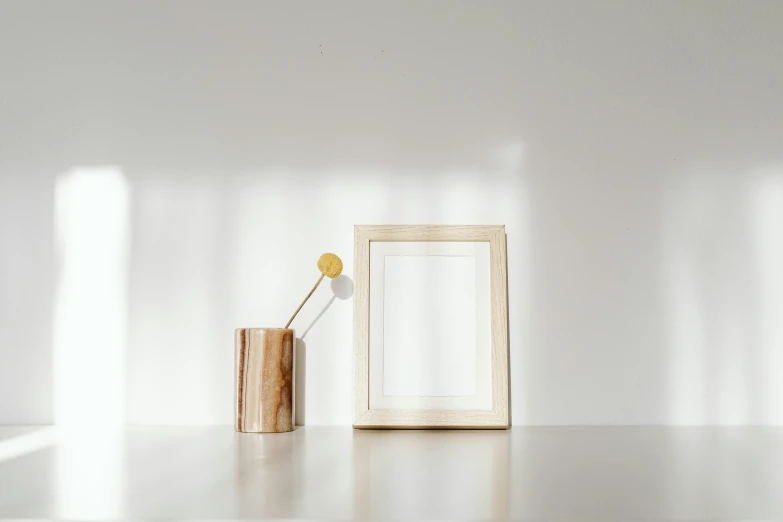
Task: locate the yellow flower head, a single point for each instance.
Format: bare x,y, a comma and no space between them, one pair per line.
330,265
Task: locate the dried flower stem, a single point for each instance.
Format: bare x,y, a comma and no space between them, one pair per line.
305,300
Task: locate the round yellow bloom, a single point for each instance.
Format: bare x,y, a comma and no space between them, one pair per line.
330,265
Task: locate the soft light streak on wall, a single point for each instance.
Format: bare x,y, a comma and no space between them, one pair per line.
29,440
688,344
90,314
769,255
687,217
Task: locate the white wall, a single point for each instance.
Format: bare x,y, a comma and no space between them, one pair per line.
634,150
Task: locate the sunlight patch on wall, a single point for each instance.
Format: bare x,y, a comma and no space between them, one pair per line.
90,313
723,256
688,347
686,217
768,232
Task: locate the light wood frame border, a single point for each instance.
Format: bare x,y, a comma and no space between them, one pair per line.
363,416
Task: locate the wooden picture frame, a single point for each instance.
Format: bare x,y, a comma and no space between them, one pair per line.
494,416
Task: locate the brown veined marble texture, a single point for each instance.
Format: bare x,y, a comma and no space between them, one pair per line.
264,397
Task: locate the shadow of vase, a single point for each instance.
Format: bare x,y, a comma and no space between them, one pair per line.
300,376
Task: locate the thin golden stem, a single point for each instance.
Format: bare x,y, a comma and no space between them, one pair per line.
305,300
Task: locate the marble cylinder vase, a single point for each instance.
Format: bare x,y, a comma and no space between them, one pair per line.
264,390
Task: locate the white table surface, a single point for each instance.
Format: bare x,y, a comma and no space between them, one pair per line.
335,473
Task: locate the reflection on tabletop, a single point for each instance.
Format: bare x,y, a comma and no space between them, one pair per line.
577,473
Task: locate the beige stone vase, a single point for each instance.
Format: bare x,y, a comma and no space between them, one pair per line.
264,390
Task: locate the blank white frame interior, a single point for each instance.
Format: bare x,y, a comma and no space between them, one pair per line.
430,327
